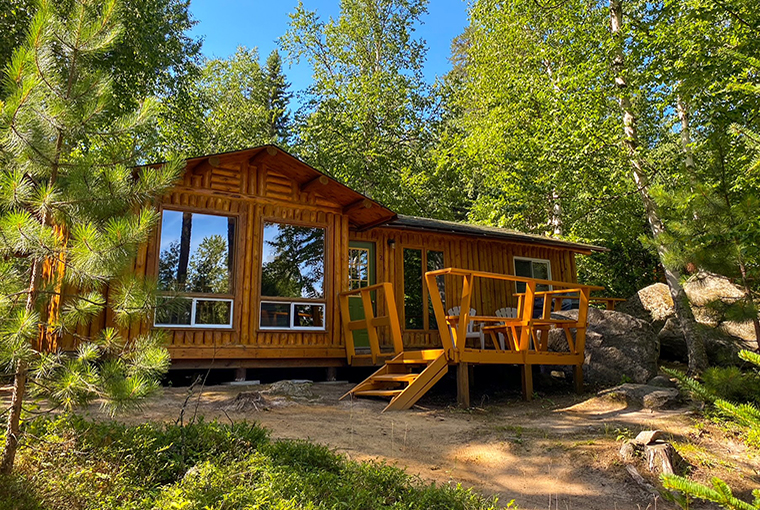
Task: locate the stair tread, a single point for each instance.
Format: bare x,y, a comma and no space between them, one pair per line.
377,393
407,362
395,377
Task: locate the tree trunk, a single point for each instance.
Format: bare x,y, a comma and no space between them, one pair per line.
556,214
683,116
19,386
14,419
748,297
694,341
184,249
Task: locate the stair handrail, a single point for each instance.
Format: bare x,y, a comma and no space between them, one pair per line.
370,322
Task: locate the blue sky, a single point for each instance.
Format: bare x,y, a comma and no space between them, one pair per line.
227,24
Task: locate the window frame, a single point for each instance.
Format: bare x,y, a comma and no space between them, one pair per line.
230,297
531,260
293,305
325,300
193,313
425,293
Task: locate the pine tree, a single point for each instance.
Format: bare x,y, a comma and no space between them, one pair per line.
277,97
745,414
72,215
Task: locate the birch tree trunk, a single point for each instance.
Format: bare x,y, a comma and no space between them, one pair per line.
683,116
694,341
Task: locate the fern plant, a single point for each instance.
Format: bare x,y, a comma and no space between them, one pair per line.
745,414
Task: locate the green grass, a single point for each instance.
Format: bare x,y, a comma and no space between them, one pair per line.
72,463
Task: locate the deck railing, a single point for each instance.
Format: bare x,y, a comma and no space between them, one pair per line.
526,335
370,322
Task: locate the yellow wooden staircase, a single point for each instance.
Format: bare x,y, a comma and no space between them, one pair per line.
405,378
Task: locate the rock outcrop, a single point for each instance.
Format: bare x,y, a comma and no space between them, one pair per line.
723,338
619,347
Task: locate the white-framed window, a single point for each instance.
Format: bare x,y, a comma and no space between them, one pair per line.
194,312
540,269
298,316
195,270
292,277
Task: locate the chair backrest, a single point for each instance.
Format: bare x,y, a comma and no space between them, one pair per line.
455,312
507,312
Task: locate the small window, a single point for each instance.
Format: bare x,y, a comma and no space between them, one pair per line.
194,312
358,268
293,266
539,269
304,316
195,270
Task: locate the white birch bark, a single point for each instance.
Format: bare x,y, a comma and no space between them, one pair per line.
694,341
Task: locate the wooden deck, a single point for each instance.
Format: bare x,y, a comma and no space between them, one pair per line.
521,340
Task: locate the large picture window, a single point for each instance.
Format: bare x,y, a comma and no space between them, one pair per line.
195,270
292,277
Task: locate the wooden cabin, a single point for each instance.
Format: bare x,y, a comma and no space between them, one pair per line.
255,247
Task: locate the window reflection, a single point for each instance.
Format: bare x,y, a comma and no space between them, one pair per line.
275,315
358,268
196,253
293,261
413,289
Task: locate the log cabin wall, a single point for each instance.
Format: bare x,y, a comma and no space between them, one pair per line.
466,252
266,184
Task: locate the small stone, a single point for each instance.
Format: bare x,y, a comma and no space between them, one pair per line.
662,382
664,398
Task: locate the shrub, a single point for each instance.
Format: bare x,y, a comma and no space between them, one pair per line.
746,414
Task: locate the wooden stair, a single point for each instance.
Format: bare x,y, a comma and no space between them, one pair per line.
405,378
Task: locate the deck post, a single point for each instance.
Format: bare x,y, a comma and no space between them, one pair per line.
332,374
240,374
527,381
463,384
578,377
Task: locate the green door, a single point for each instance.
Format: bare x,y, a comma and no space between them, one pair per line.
361,273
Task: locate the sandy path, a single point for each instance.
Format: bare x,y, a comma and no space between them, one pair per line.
543,454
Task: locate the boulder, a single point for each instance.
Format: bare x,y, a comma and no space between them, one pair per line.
652,304
643,395
721,348
723,339
618,347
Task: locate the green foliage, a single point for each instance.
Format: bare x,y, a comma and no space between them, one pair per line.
532,131
153,55
697,63
365,116
73,213
205,465
719,493
723,381
277,98
232,104
732,383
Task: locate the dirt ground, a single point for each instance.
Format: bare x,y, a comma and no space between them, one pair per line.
556,453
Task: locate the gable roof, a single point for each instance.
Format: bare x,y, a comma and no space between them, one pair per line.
363,212
451,227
